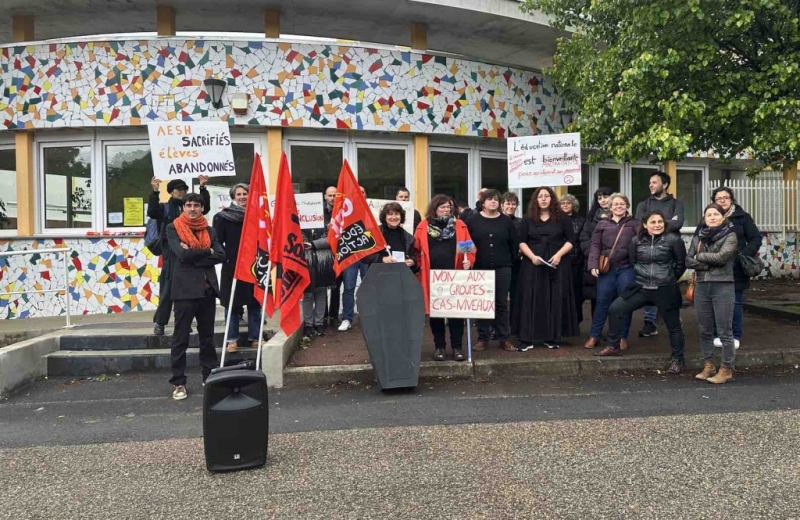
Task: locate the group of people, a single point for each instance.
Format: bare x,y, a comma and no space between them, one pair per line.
546,265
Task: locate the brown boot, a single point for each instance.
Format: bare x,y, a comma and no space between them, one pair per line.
623,344
481,345
708,370
590,343
724,375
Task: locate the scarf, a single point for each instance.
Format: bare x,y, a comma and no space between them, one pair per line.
730,211
442,228
193,233
233,213
707,235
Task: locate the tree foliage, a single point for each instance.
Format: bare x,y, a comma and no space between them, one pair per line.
669,77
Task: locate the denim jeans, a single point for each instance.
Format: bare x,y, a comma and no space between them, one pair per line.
714,302
349,280
253,322
651,313
609,286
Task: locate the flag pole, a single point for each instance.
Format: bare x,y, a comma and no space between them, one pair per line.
228,323
263,314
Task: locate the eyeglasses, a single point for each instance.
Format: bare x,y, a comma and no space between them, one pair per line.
721,199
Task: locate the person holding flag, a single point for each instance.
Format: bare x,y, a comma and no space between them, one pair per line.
353,234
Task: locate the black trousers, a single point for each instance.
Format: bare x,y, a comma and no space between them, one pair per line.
204,310
502,284
643,297
164,310
333,308
456,332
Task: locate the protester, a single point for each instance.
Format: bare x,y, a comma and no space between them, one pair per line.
672,209
350,280
443,242
165,214
546,304
659,259
599,210
495,238
712,255
404,195
195,289
228,225
612,238
467,212
748,239
320,268
333,307
398,240
571,207
509,204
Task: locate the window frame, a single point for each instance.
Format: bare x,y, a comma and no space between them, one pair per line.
704,190
102,196
466,150
8,144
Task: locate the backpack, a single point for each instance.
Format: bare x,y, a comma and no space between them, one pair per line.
154,232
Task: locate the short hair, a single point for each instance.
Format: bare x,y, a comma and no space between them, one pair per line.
620,196
489,194
194,197
392,207
403,189
236,186
436,201
569,197
665,179
646,217
535,212
726,190
510,196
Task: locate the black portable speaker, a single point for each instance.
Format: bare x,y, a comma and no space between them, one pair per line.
235,418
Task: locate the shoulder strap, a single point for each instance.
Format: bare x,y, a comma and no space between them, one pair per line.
621,229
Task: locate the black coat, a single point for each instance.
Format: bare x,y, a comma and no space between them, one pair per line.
589,281
230,235
319,258
749,239
410,251
658,261
194,266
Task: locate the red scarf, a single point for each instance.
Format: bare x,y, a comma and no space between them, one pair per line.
193,233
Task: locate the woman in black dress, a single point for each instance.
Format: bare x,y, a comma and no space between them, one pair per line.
546,299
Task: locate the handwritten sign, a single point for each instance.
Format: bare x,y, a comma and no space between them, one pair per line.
183,150
375,205
462,294
544,160
133,211
309,209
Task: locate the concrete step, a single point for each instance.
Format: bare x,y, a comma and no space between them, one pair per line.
95,362
138,340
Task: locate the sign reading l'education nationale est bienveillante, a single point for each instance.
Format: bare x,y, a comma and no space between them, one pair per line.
183,150
544,160
462,294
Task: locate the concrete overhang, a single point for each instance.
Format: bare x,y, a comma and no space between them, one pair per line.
490,30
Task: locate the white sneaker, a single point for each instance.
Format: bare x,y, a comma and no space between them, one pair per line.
717,342
736,344
179,392
345,326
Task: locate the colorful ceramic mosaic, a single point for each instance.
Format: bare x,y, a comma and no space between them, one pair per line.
105,276
129,83
780,255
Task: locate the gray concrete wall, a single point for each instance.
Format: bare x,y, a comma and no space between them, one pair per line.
22,362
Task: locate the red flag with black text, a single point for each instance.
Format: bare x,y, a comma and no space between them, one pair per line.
287,252
253,258
354,233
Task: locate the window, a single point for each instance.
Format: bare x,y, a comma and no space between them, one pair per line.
450,175
640,183
581,191
381,171
690,192
315,167
129,169
609,178
67,186
494,174
8,189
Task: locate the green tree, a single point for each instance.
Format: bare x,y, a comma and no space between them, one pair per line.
668,77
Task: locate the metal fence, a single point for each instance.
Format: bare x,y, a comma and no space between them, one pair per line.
773,203
65,252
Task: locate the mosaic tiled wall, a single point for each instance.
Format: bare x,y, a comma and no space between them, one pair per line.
123,83
105,276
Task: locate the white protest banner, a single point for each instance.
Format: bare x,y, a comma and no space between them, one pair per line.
375,206
544,160
189,149
309,209
462,294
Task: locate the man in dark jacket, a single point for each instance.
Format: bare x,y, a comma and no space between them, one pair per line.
195,288
468,212
672,209
403,195
165,214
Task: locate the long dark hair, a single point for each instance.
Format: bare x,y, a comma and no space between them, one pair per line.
594,205
535,212
726,190
436,201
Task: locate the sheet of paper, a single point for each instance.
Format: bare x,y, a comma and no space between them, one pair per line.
399,256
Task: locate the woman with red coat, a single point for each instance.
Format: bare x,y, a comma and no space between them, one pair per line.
443,242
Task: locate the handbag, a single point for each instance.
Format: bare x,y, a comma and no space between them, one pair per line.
604,264
693,279
751,265
154,232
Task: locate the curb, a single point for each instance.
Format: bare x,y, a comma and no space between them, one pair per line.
501,368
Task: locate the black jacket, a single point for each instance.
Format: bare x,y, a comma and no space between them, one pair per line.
669,206
319,258
410,251
193,267
585,243
658,261
230,234
156,211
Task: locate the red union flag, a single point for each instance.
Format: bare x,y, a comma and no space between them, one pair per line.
253,259
354,233
287,252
